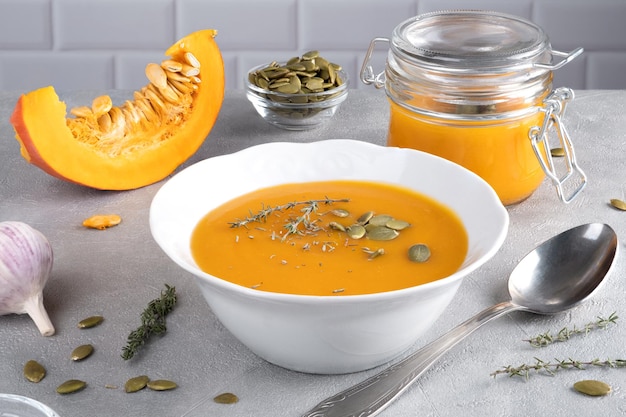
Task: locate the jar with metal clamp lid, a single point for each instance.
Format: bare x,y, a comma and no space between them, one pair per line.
475,87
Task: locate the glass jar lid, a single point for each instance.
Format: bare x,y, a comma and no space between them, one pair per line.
471,41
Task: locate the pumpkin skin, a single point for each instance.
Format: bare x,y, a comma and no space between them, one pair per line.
151,148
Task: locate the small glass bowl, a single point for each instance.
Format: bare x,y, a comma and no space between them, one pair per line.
296,111
19,406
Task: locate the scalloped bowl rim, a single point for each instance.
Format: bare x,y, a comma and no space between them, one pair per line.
168,201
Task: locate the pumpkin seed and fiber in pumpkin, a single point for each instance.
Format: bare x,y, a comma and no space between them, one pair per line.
139,142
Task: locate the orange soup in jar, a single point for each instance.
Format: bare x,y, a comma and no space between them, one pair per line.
475,88
499,151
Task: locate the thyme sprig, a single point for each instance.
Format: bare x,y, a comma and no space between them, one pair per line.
551,368
293,225
152,321
565,333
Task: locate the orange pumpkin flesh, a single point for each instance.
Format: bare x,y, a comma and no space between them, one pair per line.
156,133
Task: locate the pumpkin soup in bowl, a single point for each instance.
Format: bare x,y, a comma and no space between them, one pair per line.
338,257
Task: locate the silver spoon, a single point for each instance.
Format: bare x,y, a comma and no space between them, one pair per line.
559,274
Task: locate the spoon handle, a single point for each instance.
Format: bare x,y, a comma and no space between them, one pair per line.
371,396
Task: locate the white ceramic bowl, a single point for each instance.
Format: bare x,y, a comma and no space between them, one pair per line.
326,334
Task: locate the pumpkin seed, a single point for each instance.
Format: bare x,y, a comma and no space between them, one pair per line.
189,70
592,387
226,398
381,233
136,384
618,204
380,220
419,253
378,252
192,60
70,386
161,385
101,105
336,226
34,371
340,213
90,322
356,231
82,352
365,217
171,65
397,224
81,111
297,78
156,75
102,221
557,152
308,56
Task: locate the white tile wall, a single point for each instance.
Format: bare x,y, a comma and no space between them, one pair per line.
102,44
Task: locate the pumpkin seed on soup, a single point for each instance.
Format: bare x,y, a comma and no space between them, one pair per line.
365,217
375,254
356,231
396,224
419,253
340,213
380,220
34,371
381,233
337,226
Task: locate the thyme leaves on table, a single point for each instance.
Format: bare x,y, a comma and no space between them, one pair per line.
152,321
566,333
551,368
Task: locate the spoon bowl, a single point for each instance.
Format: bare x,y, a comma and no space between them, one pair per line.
565,270
561,273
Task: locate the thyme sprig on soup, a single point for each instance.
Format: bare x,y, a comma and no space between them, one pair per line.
342,237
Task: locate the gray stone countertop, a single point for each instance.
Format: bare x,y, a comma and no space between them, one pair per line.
117,272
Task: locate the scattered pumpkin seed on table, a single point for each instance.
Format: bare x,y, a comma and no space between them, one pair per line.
136,384
70,386
618,204
592,387
226,398
90,322
557,152
34,371
161,385
82,352
102,221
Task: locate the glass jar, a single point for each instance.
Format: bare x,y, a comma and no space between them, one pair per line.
475,87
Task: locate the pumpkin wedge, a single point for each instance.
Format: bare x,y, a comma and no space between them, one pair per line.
139,142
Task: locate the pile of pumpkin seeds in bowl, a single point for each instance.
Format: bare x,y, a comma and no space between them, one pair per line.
304,87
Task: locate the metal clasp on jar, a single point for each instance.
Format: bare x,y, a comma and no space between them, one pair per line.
573,178
367,72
